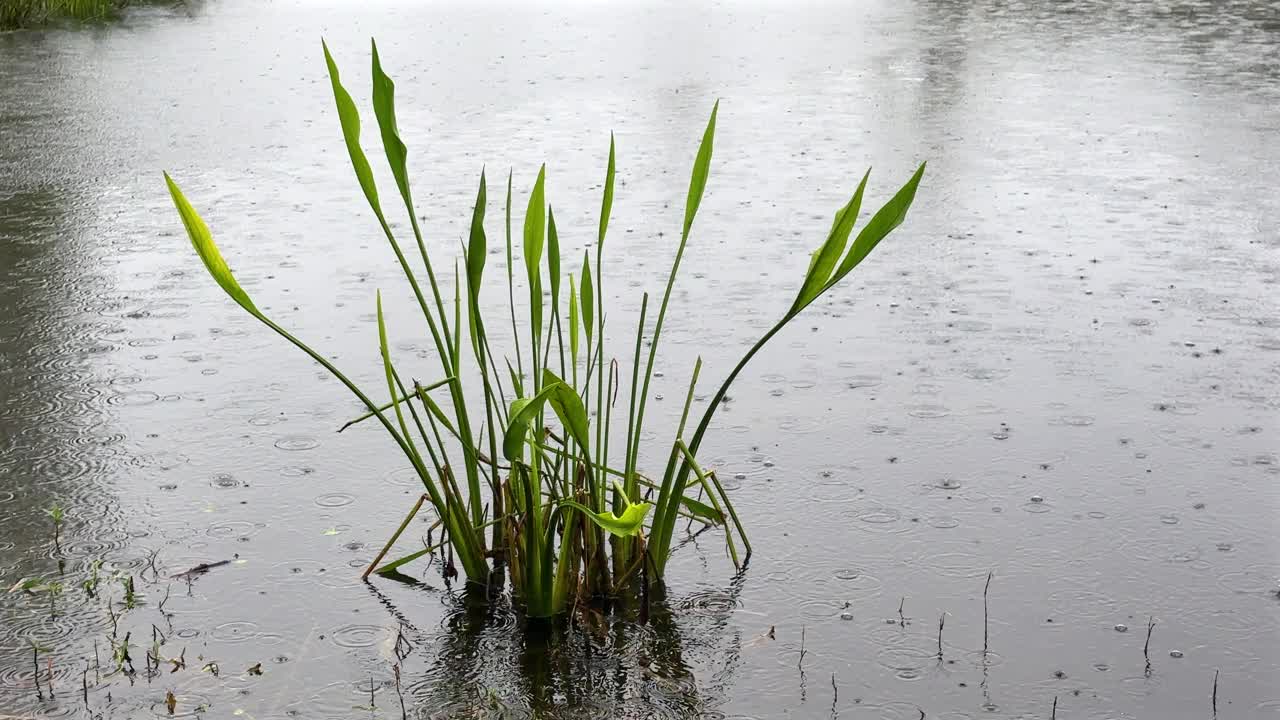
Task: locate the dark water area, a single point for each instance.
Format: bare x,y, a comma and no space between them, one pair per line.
1063,369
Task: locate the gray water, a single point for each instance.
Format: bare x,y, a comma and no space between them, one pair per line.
1062,369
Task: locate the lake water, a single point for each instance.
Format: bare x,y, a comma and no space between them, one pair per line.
1063,369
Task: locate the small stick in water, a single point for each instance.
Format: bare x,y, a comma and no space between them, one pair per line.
800,664
1151,625
371,702
35,661
1053,715
84,683
902,619
985,613
942,619
404,714
1215,693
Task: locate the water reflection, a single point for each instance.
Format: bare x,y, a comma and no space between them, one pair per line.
486,661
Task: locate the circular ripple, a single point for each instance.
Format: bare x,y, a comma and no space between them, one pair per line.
801,425
139,397
297,442
928,412
943,522
333,500
709,601
299,471
880,520
983,373
819,609
235,528
95,546
1082,603
7,496
1251,580
901,659
957,563
190,705
237,631
358,636
856,583
404,476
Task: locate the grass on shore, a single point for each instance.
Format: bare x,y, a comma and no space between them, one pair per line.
16,14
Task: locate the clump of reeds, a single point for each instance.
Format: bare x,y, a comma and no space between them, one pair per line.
531,464
26,13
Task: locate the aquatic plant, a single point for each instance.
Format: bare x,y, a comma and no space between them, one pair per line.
57,515
563,520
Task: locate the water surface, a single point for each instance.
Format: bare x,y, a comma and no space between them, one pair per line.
1062,369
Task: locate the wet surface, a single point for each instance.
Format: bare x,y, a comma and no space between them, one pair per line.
1062,370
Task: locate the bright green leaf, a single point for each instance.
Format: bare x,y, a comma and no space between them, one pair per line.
523,412
825,258
701,168
349,117
384,107
588,297
606,204
208,251
553,256
568,407
625,525
881,224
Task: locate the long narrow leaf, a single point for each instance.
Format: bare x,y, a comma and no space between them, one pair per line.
606,203
384,107
349,117
202,241
881,224
826,257
588,297
701,168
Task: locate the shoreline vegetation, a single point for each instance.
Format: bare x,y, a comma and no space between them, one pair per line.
18,14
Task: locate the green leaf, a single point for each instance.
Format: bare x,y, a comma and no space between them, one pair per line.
703,511
535,219
573,321
881,224
553,256
701,168
606,204
208,251
534,237
624,525
393,565
478,245
384,107
568,407
825,258
349,116
31,585
523,412
588,296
